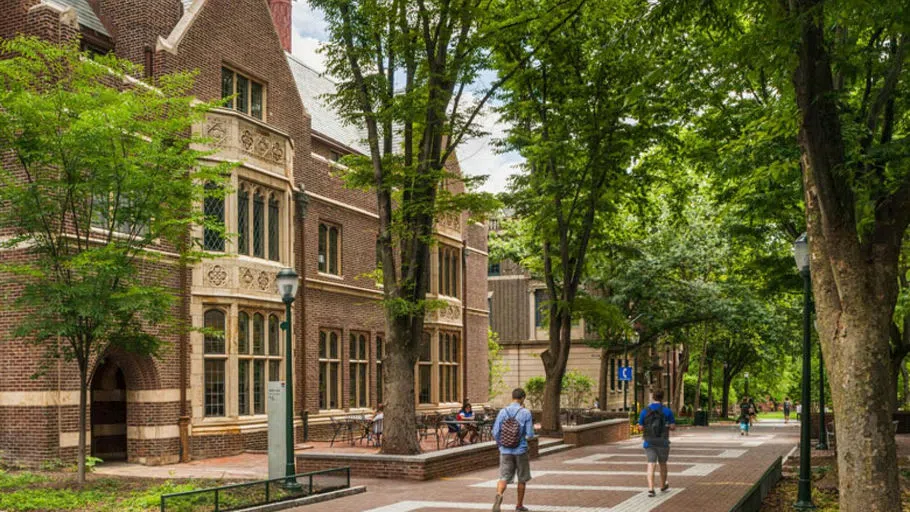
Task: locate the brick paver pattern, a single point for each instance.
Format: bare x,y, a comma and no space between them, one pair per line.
711,469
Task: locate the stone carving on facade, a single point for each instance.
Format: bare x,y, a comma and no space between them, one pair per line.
261,145
246,277
451,222
264,280
216,131
216,275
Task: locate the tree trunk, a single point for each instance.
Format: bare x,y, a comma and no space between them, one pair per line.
701,366
604,375
554,365
399,434
725,397
906,380
681,367
83,403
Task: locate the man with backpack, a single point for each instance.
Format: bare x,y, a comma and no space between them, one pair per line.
656,421
512,429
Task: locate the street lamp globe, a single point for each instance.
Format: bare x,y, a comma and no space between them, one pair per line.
801,253
287,284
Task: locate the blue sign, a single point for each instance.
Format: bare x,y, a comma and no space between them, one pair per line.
625,373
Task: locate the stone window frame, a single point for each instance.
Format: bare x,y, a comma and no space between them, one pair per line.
247,95
448,271
272,201
329,367
425,362
448,366
359,370
211,359
272,364
324,248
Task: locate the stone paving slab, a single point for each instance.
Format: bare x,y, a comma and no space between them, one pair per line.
711,469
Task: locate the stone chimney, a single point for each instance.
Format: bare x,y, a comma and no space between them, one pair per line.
281,17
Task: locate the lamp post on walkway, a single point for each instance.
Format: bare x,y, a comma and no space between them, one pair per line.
287,287
804,496
747,385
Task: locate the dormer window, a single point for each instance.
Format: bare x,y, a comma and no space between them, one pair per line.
242,93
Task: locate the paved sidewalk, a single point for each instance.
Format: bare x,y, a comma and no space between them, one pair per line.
711,469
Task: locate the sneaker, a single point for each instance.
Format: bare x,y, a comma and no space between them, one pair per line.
497,503
651,493
521,508
665,488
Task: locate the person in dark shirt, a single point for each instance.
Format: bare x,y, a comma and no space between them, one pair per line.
657,448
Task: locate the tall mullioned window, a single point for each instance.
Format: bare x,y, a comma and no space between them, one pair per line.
329,369
449,357
425,371
246,95
215,358
258,359
358,363
329,249
259,222
448,271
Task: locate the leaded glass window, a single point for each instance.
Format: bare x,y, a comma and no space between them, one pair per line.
214,387
213,210
243,333
243,221
243,389
227,86
243,94
214,335
274,339
258,386
256,99
274,243
258,225
258,334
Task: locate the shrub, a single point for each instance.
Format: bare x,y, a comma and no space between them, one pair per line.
534,389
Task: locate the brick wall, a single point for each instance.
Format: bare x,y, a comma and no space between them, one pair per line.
601,432
450,462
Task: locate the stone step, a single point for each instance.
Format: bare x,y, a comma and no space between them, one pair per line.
548,441
554,448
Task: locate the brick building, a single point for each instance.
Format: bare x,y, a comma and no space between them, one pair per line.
205,396
517,307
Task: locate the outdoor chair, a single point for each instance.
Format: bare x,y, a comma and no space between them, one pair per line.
453,432
427,426
371,431
832,441
341,426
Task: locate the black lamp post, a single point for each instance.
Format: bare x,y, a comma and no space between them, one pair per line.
804,496
747,385
287,286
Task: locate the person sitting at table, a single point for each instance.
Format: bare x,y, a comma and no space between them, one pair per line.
470,429
376,424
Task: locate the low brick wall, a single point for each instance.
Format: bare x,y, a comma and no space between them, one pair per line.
425,466
600,432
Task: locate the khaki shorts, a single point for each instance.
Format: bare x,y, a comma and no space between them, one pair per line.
512,465
657,454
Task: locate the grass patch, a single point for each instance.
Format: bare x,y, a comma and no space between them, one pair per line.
37,491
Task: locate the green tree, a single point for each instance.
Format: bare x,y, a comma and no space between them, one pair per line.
841,66
100,178
581,110
496,366
406,71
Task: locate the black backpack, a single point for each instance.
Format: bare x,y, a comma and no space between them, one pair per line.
655,425
510,431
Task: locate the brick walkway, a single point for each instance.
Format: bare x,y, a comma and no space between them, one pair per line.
710,470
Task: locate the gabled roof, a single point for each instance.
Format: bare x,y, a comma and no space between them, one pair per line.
86,16
313,86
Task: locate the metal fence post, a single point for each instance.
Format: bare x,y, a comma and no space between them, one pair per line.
266,491
311,485
216,499
162,504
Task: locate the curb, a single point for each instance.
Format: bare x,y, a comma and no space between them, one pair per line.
751,502
308,500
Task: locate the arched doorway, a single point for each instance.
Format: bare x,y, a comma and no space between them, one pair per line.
108,412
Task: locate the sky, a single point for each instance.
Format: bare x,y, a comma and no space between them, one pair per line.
477,156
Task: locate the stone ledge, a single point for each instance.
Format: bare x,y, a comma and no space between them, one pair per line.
424,466
599,432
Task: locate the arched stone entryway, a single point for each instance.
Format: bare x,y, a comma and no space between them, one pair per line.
108,412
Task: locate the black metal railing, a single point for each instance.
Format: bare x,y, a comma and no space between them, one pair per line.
260,492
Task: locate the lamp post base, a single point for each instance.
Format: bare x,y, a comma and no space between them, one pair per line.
292,485
821,446
804,505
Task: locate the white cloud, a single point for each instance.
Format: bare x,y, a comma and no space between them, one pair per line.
307,50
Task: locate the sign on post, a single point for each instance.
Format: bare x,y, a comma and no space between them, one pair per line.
276,404
625,373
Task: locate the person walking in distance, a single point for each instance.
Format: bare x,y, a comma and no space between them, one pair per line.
511,430
787,405
656,422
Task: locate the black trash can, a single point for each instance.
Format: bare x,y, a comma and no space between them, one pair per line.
701,418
